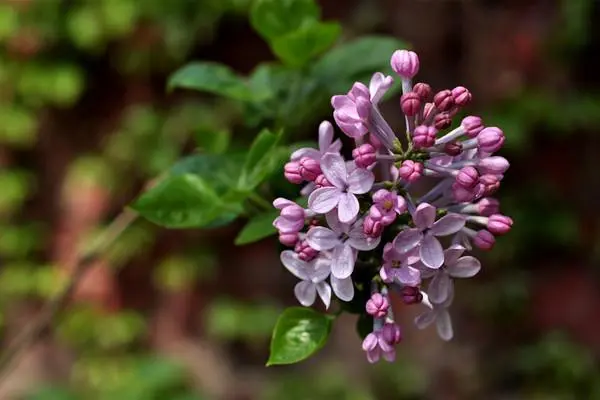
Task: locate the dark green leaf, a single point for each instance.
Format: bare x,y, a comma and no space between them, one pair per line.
184,201
220,171
257,228
261,160
298,47
213,78
274,18
356,60
299,333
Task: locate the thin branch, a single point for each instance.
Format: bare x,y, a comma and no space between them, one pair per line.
36,328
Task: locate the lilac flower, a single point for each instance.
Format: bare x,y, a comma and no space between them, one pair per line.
376,347
425,233
455,266
438,313
312,275
398,268
342,240
386,206
326,144
345,186
356,113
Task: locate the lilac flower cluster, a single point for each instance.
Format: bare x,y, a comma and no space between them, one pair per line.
396,218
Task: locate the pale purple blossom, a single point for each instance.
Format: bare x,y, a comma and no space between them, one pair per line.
346,185
438,313
455,266
343,241
326,144
424,234
375,346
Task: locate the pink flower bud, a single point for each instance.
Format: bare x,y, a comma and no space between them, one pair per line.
443,100
293,212
461,96
309,168
377,305
499,224
442,121
453,148
410,171
424,136
423,90
472,126
411,295
391,333
427,110
372,228
488,206
467,177
491,183
288,239
494,165
405,63
291,171
410,103
484,240
321,181
364,155
305,252
462,194
490,139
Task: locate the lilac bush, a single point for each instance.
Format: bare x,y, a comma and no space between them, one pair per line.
400,215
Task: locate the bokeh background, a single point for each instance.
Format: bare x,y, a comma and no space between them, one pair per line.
85,121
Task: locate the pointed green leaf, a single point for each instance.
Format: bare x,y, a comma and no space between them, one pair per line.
299,333
261,160
212,78
298,47
274,18
184,201
259,227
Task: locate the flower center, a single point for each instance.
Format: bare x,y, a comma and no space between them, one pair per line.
387,205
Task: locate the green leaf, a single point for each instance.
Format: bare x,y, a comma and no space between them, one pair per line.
213,78
300,46
261,160
299,333
184,201
257,228
274,18
356,60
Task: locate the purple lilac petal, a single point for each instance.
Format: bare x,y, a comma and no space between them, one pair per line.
342,261
407,240
431,252
321,238
465,267
306,152
297,267
378,85
343,288
334,223
359,241
334,169
321,267
348,207
439,287
453,253
444,325
324,199
448,224
306,293
360,181
424,216
408,276
324,292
